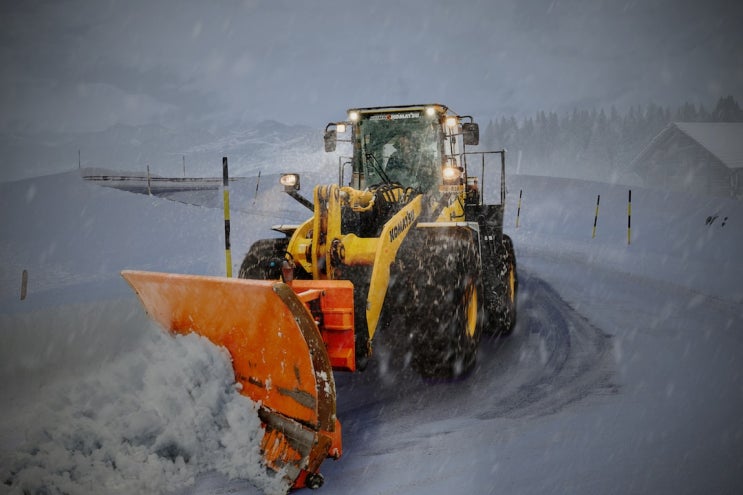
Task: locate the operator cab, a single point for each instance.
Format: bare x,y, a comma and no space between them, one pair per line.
398,147
418,147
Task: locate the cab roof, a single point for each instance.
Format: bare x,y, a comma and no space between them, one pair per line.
441,109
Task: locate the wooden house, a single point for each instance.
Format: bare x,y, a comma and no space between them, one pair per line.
697,157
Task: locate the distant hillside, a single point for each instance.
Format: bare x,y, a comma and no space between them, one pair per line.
267,146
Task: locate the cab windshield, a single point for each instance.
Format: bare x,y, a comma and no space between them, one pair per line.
402,148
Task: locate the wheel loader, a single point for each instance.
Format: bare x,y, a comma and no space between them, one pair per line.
405,246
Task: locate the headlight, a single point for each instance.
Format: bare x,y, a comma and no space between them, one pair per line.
340,128
430,111
353,116
290,182
451,174
451,122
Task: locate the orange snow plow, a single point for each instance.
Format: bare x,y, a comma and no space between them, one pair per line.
283,340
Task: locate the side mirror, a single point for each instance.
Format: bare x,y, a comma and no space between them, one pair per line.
330,140
471,134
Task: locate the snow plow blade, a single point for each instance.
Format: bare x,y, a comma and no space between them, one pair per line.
278,355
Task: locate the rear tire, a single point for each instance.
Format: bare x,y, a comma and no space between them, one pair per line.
444,317
503,315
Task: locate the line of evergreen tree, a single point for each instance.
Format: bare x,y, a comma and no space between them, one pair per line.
593,144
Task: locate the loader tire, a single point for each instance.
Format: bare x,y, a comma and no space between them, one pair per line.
502,315
263,260
446,316
359,276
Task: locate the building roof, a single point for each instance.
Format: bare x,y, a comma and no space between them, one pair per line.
722,139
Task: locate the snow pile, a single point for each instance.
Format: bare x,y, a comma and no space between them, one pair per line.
148,422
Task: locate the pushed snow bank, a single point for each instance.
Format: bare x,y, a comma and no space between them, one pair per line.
149,421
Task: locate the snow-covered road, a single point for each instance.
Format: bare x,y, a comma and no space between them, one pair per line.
407,435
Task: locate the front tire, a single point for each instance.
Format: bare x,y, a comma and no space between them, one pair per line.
445,314
263,260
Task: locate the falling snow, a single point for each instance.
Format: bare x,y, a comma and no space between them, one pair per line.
621,376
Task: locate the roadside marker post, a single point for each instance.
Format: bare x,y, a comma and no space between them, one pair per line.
518,210
24,284
257,185
629,218
596,216
226,195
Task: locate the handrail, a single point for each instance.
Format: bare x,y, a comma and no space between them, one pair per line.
502,154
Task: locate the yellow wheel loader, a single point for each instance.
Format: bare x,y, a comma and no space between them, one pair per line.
407,248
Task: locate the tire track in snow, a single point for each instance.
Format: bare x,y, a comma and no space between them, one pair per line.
553,358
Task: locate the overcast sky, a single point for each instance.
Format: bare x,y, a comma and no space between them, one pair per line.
84,65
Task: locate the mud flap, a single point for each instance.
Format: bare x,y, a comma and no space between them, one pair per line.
278,355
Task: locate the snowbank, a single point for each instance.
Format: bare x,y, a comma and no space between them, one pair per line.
691,241
95,397
147,422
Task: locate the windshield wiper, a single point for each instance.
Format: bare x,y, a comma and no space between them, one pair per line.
377,167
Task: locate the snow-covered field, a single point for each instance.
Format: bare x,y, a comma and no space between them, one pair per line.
623,374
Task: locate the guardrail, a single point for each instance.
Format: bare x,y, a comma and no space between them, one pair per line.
156,184
208,180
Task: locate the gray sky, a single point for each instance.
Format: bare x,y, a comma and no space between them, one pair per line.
82,65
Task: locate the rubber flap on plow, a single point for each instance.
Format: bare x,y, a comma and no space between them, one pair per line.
277,353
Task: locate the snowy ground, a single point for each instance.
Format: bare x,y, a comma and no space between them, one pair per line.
622,375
